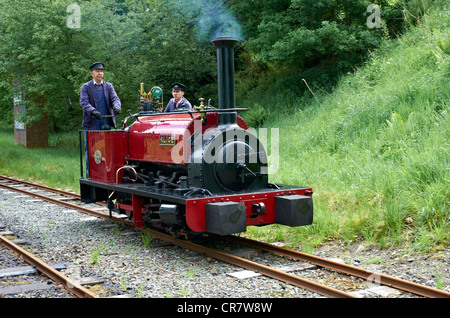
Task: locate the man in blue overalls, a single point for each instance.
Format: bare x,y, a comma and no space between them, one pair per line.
98,98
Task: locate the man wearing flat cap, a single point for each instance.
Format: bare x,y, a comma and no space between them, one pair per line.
98,98
178,102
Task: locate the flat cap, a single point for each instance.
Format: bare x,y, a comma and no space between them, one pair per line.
97,66
178,86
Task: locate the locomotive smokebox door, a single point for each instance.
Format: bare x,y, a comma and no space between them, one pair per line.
293,210
225,218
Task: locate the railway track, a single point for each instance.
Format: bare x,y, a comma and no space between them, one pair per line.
292,279
37,265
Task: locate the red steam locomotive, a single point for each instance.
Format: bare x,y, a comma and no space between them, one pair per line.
193,171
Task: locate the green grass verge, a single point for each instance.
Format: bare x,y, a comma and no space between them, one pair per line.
56,166
376,149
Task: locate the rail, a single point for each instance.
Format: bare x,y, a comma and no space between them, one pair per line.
49,271
347,269
264,270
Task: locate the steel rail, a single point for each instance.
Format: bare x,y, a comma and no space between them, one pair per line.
322,262
49,271
241,262
64,203
66,193
262,269
344,268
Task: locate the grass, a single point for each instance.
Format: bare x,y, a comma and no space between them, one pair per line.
375,149
57,166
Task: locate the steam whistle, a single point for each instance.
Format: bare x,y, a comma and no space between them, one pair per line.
142,99
201,106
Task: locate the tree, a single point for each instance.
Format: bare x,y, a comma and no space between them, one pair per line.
300,34
47,47
169,50
48,56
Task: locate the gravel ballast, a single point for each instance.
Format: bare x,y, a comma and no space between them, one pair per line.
117,254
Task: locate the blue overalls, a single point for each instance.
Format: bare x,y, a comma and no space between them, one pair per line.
101,107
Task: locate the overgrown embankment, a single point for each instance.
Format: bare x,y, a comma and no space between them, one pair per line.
376,149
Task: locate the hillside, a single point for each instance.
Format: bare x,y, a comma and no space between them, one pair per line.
376,149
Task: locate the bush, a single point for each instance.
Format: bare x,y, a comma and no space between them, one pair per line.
256,116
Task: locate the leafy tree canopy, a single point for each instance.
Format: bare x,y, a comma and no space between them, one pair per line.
45,54
46,46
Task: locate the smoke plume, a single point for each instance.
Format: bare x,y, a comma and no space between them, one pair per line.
214,19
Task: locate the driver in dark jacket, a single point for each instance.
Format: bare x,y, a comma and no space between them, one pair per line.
98,98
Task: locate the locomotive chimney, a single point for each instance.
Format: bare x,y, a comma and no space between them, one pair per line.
225,78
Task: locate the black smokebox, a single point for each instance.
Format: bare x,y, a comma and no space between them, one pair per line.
225,78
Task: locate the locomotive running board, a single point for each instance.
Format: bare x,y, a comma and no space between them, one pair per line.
93,191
